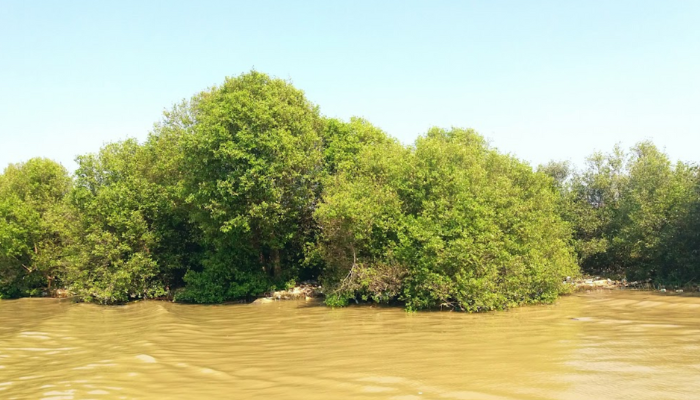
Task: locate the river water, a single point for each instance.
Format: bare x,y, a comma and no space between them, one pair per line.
602,345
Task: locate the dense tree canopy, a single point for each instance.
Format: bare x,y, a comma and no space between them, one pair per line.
246,187
34,226
448,222
252,163
123,218
634,215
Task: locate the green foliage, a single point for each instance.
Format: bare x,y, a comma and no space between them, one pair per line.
678,261
343,141
111,259
252,163
593,201
127,226
290,284
559,171
214,285
634,215
246,187
33,226
449,222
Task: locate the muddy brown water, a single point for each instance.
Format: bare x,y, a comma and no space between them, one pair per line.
603,345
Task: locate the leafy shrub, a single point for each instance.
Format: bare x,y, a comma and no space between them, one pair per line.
471,229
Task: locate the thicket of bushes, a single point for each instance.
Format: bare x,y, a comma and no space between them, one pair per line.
246,187
634,214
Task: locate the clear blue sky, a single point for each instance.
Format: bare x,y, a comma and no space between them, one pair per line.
540,79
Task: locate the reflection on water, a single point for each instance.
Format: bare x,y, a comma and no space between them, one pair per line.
607,345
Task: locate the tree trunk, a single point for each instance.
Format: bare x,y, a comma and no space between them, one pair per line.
276,266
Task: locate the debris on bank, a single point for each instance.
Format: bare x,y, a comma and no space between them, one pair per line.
596,282
588,283
61,293
303,291
592,283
